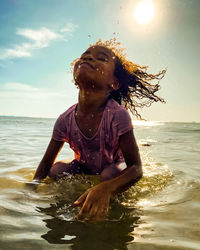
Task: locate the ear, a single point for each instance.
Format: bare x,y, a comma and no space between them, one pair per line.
114,85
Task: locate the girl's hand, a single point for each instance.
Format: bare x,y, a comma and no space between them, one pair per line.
95,203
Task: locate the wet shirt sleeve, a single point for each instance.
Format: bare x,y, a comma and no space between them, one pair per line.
123,122
60,130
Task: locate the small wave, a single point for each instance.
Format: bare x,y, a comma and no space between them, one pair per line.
147,123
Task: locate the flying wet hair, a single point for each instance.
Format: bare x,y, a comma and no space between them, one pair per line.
136,87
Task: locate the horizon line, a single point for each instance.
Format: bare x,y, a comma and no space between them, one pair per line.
40,117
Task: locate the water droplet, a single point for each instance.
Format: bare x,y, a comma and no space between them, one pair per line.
93,86
79,66
92,115
97,69
113,57
65,173
102,72
90,129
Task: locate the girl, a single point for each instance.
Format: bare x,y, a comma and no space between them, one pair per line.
99,129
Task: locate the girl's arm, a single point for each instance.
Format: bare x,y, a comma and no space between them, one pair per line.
133,172
48,159
95,201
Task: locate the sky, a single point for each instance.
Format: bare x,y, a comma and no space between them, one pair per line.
39,40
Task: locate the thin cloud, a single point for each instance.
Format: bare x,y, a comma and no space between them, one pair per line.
25,100
42,37
21,91
38,39
15,86
69,28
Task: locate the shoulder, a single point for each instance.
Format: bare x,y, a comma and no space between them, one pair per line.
67,113
64,118
120,117
117,110
62,125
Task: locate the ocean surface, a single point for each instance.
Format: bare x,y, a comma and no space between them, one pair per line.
162,211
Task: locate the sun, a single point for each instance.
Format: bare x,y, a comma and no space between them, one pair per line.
144,12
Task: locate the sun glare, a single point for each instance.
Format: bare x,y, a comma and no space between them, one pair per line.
144,12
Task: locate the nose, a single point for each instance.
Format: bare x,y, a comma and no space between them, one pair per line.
88,58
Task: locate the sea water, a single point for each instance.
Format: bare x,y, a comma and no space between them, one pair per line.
162,211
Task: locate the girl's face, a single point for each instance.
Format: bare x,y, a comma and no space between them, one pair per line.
95,68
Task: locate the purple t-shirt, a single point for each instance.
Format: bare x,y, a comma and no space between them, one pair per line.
102,149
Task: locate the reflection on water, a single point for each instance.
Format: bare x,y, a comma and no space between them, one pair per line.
104,235
114,233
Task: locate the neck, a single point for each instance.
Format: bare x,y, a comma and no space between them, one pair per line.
92,102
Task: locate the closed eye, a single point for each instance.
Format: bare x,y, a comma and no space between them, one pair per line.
102,59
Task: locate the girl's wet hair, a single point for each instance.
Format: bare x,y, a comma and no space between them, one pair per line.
136,88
